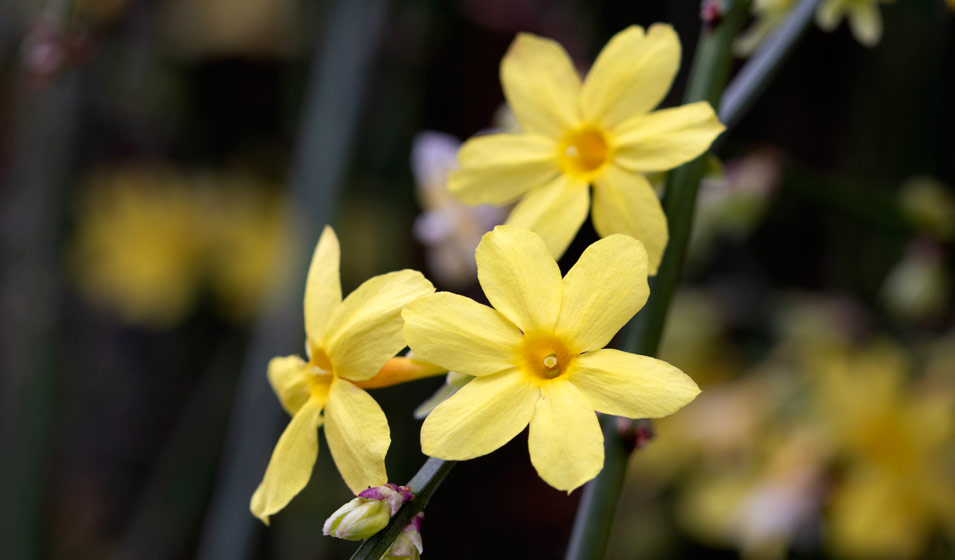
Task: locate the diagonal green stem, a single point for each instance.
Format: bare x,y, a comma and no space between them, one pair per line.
424,484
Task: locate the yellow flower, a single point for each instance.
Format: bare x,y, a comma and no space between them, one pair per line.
348,341
767,15
895,444
599,132
537,355
138,249
865,21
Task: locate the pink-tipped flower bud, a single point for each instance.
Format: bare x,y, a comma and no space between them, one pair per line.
367,514
408,545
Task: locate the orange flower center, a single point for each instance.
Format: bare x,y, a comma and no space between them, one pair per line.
583,151
545,356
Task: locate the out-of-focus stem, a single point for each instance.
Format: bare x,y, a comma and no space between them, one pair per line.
329,120
424,484
755,76
598,503
40,164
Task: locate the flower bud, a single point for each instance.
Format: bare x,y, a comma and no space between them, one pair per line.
367,514
408,545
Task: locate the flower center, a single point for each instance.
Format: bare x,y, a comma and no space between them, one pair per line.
320,372
583,151
545,356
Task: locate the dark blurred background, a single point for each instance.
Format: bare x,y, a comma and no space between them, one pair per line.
166,167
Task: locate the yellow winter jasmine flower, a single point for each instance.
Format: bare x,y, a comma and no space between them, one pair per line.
348,342
597,132
768,15
865,21
537,355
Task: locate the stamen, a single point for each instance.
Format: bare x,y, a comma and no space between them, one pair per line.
550,362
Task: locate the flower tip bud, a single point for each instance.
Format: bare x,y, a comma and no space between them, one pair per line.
408,545
391,493
367,514
358,519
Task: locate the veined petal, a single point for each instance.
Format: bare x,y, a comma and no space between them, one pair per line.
555,212
323,289
519,277
481,417
365,330
499,168
865,20
358,436
565,441
606,287
460,334
630,385
624,202
291,464
289,380
664,139
631,75
541,85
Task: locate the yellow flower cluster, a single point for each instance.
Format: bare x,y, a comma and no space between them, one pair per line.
865,21
149,238
537,357
859,441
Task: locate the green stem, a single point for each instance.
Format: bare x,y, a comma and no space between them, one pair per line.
424,483
598,504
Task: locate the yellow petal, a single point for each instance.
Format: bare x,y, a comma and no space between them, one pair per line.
565,441
358,437
664,139
541,85
624,202
499,168
829,14
481,417
291,464
606,287
289,380
634,386
460,334
365,330
555,212
631,75
519,277
323,289
866,23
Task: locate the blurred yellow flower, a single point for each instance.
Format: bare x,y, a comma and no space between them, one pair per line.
537,355
138,247
348,341
767,15
149,238
598,132
865,21
896,446
928,204
259,28
246,231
